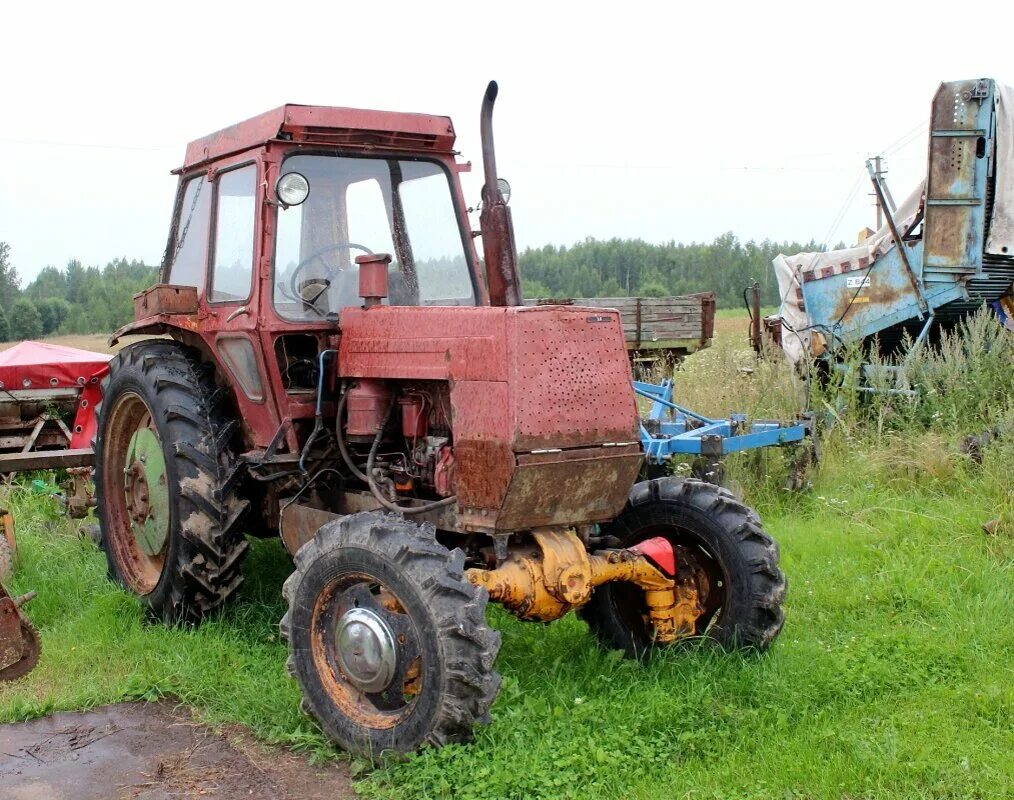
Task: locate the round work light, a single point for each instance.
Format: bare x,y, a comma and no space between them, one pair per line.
292,189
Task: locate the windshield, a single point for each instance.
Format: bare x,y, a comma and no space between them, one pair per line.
368,205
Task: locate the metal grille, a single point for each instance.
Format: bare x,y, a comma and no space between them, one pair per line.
572,379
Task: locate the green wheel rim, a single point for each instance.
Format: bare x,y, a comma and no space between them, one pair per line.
147,491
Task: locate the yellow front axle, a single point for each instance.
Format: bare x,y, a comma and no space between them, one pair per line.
545,580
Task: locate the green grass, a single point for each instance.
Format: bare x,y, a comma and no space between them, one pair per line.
892,677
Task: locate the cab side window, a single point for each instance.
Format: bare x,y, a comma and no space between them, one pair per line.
233,256
188,250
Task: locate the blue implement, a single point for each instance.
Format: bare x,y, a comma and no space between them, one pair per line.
670,429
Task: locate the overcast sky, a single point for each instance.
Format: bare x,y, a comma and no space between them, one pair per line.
660,121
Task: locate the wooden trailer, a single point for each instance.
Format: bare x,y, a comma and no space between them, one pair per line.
657,327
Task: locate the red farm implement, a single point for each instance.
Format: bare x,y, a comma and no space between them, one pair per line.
48,397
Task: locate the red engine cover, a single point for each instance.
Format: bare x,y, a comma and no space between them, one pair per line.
523,381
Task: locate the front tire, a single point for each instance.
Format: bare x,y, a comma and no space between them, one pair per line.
734,560
165,482
388,641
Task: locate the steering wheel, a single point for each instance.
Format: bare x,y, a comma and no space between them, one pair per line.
325,280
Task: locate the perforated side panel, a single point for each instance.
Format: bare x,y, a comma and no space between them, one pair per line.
572,379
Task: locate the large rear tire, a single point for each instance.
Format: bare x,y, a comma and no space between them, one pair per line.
165,482
735,563
388,641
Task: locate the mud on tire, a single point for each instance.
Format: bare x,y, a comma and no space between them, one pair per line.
198,567
746,587
444,680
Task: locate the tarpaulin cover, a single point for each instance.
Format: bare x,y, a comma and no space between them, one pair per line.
798,338
1001,229
49,366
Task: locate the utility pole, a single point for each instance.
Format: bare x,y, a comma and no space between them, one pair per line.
880,170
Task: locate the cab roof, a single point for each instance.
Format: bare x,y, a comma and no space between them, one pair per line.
353,128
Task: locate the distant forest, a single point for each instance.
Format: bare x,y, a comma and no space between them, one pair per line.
80,299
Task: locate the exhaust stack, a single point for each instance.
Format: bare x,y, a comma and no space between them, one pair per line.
497,226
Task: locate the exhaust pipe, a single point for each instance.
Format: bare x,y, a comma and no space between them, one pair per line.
495,222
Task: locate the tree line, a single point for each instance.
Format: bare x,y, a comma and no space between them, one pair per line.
80,299
75,299
632,267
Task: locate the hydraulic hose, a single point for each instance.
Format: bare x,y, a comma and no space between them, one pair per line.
318,420
407,510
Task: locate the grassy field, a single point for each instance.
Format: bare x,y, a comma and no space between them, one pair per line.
892,678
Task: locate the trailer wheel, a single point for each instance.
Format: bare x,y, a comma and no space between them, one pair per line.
165,482
735,565
388,641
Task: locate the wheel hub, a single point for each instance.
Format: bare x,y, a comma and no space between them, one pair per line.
365,649
146,491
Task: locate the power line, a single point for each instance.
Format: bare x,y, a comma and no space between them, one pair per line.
89,145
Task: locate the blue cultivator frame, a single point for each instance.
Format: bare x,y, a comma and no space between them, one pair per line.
670,429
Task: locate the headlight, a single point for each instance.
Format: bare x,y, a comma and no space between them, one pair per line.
504,188
292,189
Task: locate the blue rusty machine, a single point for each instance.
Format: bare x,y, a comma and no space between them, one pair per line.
940,256
670,430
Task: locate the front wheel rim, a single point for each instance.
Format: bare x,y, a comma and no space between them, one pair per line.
366,651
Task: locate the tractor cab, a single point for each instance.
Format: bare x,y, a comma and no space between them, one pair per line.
320,208
272,219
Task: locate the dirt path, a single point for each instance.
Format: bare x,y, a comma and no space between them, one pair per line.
151,752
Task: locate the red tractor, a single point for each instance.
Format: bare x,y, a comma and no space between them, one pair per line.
343,372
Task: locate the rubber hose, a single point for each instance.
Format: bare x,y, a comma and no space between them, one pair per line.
407,510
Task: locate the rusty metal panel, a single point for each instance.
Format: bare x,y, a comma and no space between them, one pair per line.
569,487
165,298
960,126
19,641
423,342
485,468
350,127
570,378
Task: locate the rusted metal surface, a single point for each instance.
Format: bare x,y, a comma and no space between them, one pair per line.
125,497
373,277
569,487
324,125
565,372
19,641
164,298
753,307
773,330
523,380
47,459
954,217
499,247
79,492
570,379
361,591
902,249
8,545
300,522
